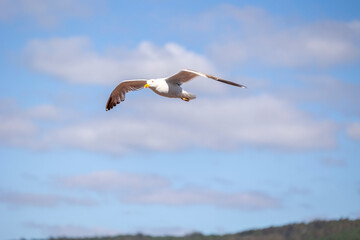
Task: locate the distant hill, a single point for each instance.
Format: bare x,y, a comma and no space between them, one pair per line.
342,229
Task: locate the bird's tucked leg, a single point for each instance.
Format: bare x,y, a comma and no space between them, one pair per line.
186,96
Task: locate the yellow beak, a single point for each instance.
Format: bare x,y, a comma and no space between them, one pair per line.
146,86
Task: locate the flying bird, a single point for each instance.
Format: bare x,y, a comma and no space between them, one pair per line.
167,87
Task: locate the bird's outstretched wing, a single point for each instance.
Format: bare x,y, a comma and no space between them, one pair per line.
118,94
187,74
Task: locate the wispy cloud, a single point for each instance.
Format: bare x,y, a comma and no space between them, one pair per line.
353,130
112,181
164,231
15,129
46,13
194,196
21,127
334,162
45,112
326,91
320,44
150,189
293,190
253,35
21,199
71,230
73,59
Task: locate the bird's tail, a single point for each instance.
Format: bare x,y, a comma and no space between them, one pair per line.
188,95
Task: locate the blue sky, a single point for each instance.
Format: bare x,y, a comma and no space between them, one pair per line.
284,150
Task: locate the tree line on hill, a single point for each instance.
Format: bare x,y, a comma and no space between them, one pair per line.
343,229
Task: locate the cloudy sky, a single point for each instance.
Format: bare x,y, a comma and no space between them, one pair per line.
284,150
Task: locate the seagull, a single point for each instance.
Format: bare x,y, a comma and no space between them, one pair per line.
167,87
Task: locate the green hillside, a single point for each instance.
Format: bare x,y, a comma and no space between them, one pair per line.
343,229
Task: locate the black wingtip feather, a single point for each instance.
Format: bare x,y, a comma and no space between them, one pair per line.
109,104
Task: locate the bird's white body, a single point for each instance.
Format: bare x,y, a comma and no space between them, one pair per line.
171,90
167,87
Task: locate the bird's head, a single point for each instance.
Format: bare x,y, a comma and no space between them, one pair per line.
150,83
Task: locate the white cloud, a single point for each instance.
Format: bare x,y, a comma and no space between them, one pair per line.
171,125
353,130
226,124
252,35
119,136
320,44
46,13
72,59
